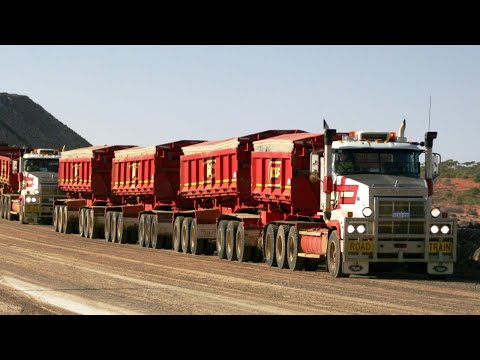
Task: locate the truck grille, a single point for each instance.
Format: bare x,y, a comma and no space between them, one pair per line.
400,219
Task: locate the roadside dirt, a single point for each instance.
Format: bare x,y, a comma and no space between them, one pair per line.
43,272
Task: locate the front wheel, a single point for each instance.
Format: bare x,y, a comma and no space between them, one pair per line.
334,256
21,215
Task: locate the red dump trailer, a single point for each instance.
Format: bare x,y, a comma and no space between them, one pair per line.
8,180
121,192
216,175
85,175
147,181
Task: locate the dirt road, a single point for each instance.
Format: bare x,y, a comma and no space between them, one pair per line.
43,272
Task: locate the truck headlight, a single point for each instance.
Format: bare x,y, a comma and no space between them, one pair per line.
367,212
361,229
350,229
28,199
435,212
34,200
36,191
434,229
445,229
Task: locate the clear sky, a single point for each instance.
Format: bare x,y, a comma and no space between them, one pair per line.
150,95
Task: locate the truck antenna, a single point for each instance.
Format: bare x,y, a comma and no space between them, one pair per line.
429,112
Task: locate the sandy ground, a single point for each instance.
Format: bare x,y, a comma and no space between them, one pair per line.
43,272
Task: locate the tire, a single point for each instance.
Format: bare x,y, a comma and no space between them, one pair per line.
81,222
141,231
269,247
295,262
186,234
244,253
196,245
21,215
177,234
9,213
108,218
156,240
281,246
60,219
334,256
113,227
221,235
96,231
148,225
5,207
64,219
54,218
1,206
230,237
121,233
67,225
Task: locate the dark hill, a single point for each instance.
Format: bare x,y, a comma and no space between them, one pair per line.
24,122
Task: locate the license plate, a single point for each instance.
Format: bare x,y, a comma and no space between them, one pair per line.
360,246
441,246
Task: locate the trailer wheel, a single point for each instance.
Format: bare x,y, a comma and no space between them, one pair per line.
65,228
121,233
177,234
96,231
9,206
1,206
221,235
186,234
281,246
55,218
108,218
157,241
295,262
334,256
6,207
270,245
244,253
231,243
147,234
196,245
113,227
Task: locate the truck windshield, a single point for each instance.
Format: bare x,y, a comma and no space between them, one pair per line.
377,161
42,165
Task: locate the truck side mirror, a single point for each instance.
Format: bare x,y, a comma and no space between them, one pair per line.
436,160
314,168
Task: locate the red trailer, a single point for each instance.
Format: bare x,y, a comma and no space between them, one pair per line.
85,175
288,200
8,180
216,175
147,181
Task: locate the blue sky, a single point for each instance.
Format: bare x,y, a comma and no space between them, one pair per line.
149,95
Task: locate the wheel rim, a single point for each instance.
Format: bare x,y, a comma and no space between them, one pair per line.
280,248
268,245
229,242
239,244
141,231
193,238
120,229
333,256
219,240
